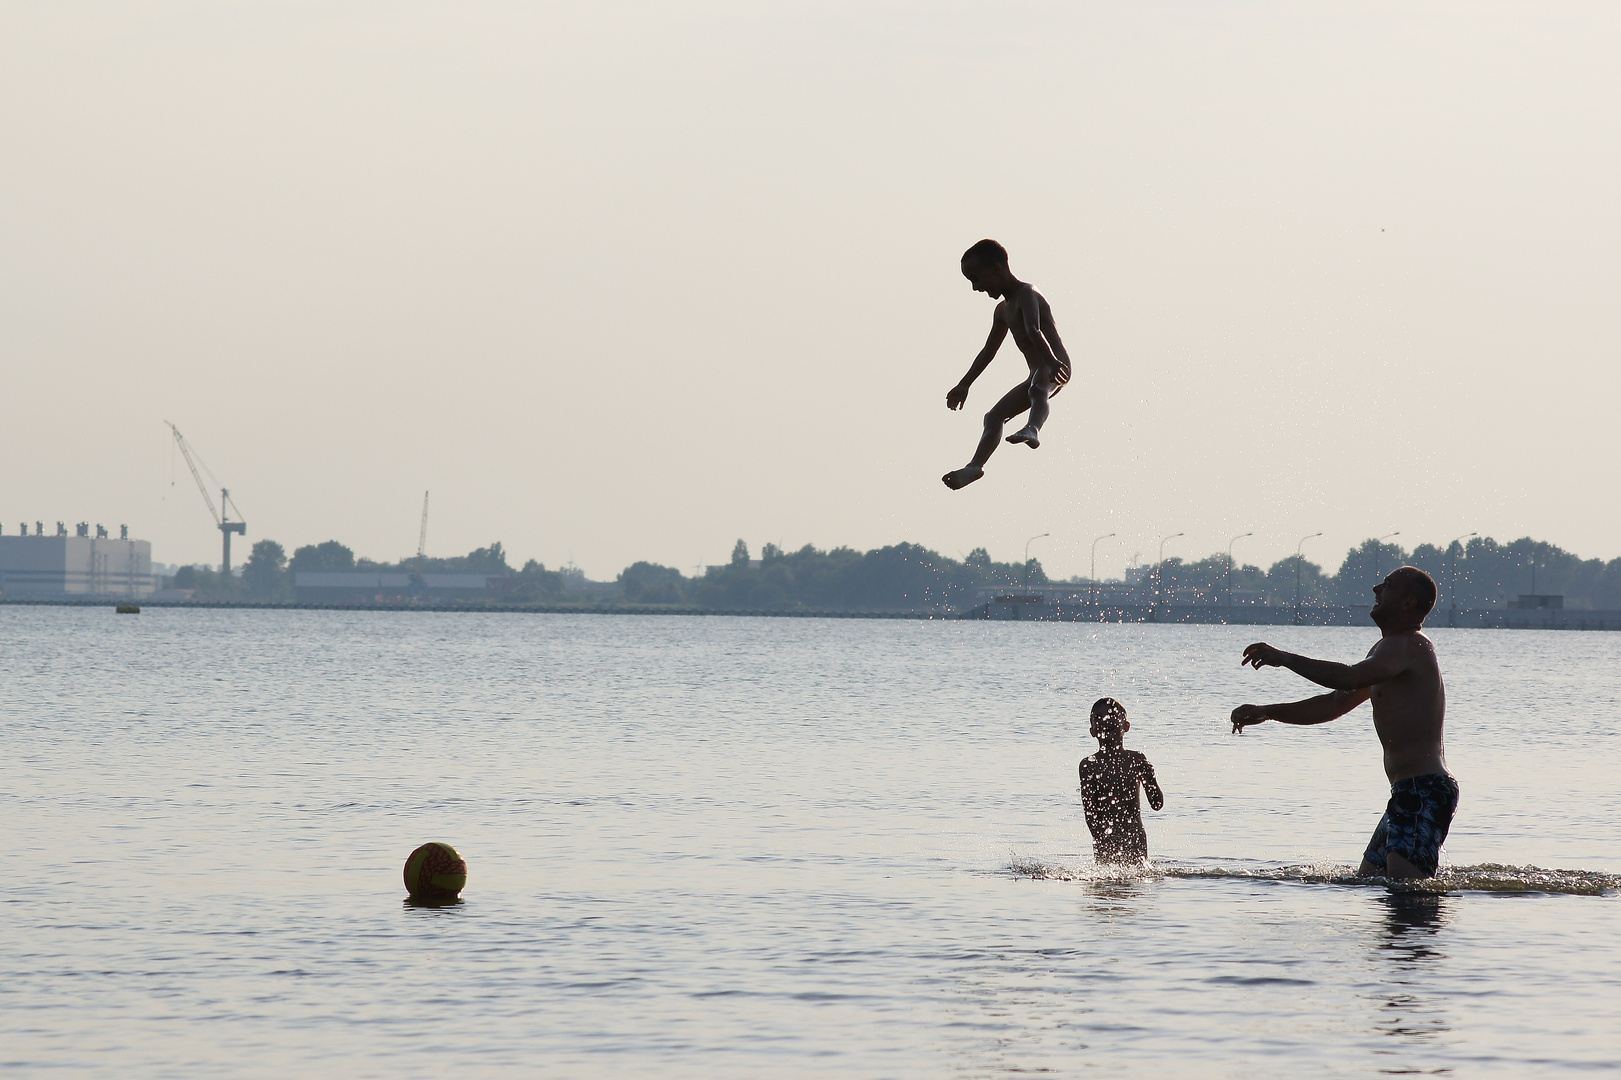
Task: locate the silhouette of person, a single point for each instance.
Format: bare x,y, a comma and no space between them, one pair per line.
1403,679
1025,314
1110,780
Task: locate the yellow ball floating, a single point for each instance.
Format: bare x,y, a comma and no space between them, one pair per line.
435,874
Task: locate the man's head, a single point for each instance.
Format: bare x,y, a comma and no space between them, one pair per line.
985,266
1109,723
1407,595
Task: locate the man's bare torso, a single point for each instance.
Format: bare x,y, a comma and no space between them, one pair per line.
1011,312
1409,711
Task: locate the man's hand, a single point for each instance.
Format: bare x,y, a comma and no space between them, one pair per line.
1262,655
956,397
1245,715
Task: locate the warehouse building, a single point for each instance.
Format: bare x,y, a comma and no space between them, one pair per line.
386,587
84,564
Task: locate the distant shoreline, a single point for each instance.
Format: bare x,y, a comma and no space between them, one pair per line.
464,608
1191,615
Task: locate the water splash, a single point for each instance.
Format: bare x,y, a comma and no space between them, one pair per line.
1485,877
1028,867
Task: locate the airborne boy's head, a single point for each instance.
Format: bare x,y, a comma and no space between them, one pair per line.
985,266
986,253
1109,723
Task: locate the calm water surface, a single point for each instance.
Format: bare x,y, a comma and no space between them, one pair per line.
774,848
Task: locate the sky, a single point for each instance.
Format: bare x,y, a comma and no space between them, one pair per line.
631,281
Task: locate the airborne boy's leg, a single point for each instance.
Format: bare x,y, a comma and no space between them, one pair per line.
1014,402
1040,388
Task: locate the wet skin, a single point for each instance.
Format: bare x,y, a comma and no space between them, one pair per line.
1400,676
1109,782
1024,313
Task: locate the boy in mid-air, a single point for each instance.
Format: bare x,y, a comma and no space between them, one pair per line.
1109,780
1025,313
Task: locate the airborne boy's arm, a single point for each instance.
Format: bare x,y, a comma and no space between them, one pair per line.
957,396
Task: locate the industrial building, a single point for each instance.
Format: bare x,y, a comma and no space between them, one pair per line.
84,564
372,586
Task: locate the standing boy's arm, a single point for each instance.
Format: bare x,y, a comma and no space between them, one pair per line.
1156,797
958,395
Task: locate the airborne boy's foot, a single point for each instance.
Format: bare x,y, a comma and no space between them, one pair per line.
961,478
1027,435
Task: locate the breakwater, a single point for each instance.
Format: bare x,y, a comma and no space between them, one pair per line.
1037,608
1009,609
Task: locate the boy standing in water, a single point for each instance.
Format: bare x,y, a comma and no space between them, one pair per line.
1024,312
1109,780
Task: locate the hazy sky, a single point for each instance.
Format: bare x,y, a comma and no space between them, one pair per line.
630,281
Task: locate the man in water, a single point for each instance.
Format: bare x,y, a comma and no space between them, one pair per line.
1025,313
1403,679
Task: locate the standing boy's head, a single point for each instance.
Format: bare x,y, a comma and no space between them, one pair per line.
985,266
1109,723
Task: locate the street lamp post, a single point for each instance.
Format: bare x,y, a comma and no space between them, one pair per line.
1094,575
1159,571
1027,544
1230,544
1452,579
1298,558
1379,551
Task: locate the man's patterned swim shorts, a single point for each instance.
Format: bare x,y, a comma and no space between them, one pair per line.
1416,821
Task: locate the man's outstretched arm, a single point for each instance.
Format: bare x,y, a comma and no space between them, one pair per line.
1316,710
1385,662
958,395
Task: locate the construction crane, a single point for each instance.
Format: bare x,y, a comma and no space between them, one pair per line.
419,583
223,521
422,537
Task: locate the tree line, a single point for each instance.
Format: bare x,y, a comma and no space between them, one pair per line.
900,577
268,573
909,577
1480,574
